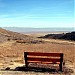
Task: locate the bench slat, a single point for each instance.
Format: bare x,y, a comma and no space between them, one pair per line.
43,62
43,59
44,54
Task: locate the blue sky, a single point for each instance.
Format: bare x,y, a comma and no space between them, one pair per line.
37,13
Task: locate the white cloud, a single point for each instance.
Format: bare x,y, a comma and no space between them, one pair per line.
34,21
22,21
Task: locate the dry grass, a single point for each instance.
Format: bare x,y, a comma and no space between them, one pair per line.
11,54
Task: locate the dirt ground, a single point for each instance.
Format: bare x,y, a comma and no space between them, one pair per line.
12,55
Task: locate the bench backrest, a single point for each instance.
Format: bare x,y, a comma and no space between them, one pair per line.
47,57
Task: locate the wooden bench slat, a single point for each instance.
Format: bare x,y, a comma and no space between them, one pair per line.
43,59
43,62
33,61
51,63
44,54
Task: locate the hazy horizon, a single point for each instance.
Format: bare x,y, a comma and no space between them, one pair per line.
33,30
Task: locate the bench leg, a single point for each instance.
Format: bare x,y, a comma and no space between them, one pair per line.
26,65
60,66
61,60
25,56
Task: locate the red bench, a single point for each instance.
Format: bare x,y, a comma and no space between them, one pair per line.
44,58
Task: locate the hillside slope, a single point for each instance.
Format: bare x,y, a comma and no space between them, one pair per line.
9,35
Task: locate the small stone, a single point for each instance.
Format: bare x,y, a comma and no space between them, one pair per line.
8,68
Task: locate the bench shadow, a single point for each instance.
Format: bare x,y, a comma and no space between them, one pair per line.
49,70
36,69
